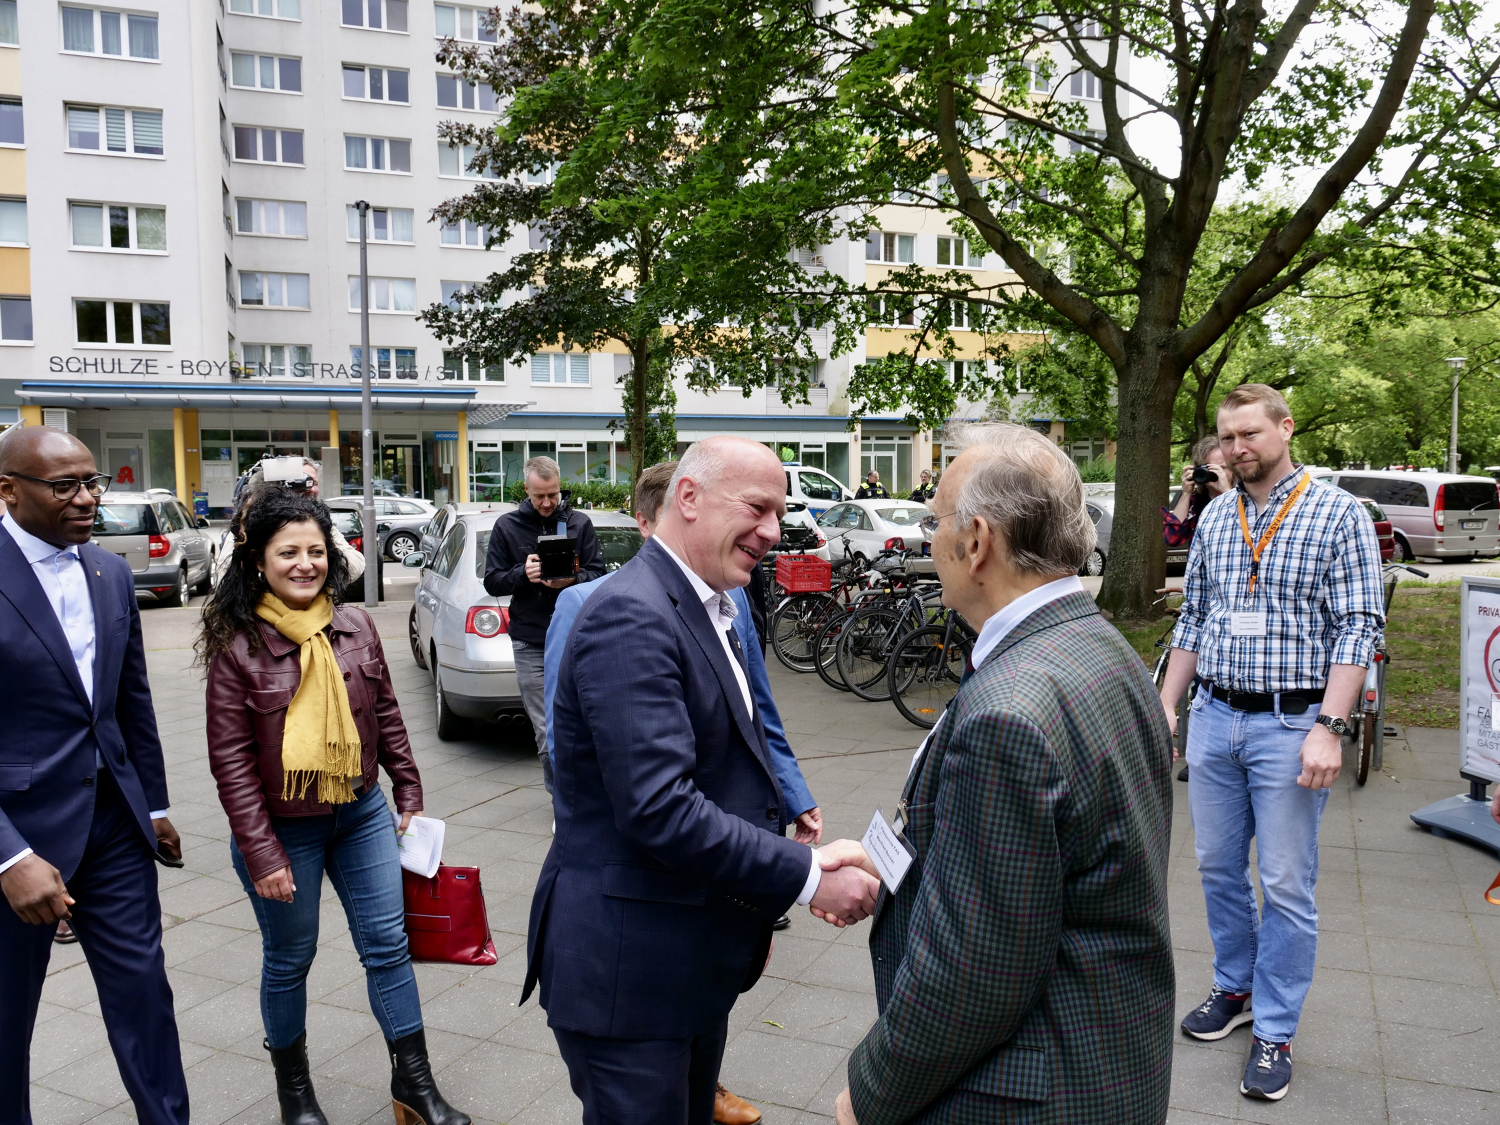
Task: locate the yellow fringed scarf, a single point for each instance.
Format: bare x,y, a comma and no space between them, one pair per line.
321,742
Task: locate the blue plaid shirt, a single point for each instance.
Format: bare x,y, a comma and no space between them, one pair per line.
1319,585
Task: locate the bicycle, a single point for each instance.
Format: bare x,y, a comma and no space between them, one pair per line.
796,620
1368,736
927,666
824,647
865,645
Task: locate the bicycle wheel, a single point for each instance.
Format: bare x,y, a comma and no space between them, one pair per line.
824,657
1367,724
794,628
924,672
864,651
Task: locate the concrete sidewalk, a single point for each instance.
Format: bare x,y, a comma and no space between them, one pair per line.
1402,1024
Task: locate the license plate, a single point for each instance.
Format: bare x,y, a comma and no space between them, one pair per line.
1471,525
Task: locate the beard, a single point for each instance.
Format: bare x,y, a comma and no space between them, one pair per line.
1252,472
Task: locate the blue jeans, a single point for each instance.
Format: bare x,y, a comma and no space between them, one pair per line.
356,845
1242,783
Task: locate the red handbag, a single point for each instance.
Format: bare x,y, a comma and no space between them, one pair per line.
445,917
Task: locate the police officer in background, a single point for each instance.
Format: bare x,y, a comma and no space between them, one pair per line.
926,490
872,489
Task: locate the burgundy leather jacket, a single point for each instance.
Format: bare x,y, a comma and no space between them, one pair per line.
247,700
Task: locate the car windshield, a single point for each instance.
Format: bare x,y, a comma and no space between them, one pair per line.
619,545
1477,497
902,517
124,519
346,520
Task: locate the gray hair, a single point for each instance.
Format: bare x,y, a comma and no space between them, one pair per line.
543,468
703,461
1029,492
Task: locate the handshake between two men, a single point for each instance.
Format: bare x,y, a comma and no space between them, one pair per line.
849,885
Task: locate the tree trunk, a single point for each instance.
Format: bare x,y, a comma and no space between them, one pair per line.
1143,463
640,360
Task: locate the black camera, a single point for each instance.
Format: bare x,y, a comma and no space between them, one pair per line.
1203,474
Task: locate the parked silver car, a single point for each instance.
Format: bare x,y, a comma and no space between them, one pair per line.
1433,515
461,633
1101,510
398,519
169,553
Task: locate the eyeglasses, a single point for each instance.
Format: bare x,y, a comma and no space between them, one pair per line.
68,487
929,522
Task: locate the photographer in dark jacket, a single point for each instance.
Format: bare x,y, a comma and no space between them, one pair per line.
513,567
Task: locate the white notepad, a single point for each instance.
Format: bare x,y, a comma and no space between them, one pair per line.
421,845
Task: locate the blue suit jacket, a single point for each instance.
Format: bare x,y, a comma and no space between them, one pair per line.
51,731
793,786
655,903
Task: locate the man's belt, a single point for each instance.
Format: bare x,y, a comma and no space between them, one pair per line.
1292,702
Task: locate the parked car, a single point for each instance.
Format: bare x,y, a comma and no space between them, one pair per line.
868,525
1101,509
348,522
433,531
814,488
1383,531
398,520
461,633
1434,515
169,553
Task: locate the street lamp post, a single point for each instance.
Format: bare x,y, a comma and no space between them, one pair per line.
366,447
1456,364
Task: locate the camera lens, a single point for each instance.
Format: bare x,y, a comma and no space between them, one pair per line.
1202,474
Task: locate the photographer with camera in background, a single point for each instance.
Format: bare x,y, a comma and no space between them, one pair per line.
514,567
1204,479
298,475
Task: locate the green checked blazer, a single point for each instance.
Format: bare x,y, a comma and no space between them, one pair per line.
1023,971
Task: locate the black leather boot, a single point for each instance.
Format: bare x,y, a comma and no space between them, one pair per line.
294,1088
414,1095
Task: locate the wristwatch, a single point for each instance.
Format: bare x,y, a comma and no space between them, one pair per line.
1334,723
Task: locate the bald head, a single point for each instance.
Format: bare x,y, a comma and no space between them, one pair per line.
31,456
723,509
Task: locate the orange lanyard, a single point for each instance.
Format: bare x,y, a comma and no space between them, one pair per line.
1257,548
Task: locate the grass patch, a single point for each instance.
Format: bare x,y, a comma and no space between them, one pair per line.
1422,637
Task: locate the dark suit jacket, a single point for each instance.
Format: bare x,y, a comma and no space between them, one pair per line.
50,731
654,906
1023,972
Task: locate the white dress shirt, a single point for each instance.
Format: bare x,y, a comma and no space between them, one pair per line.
60,572
721,612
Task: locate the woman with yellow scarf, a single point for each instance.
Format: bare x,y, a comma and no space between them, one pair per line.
301,717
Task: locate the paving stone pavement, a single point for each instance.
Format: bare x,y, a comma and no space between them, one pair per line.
1402,1024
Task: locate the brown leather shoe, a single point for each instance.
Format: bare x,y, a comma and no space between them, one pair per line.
732,1110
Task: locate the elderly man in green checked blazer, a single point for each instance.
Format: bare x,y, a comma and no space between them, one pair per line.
1023,966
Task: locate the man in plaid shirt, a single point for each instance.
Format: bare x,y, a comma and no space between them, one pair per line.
1283,607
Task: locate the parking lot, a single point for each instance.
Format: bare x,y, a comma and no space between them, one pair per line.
1402,1024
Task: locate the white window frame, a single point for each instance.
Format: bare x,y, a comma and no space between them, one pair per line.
950,243
109,324
260,130
569,365
387,363
19,102
257,64
384,289
1084,86
15,15
258,210
265,289
464,227
104,220
130,131
364,69
461,368
289,360
885,316
28,342
351,216
464,156
255,7
386,150
462,85
385,16
124,15
891,243
25,219
460,11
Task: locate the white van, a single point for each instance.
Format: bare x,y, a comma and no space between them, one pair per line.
1434,515
815,488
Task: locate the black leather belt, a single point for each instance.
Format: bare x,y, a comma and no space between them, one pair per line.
1292,702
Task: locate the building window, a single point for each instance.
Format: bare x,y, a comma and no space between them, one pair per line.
261,145
377,154
1084,84
133,323
462,23
376,15
962,314
465,232
15,318
13,223
387,224
124,132
892,311
456,365
119,226
273,290
570,369
10,27
1075,146
87,31
896,248
373,84
956,252
275,9
272,218
387,294
265,72
277,360
403,359
12,127
453,290
460,162
455,93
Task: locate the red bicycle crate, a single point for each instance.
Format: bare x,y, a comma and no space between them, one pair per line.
803,574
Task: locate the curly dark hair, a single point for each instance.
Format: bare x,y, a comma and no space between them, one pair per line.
231,606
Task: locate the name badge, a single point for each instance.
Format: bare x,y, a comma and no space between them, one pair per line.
1248,623
891,858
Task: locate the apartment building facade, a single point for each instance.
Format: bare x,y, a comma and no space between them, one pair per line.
179,259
